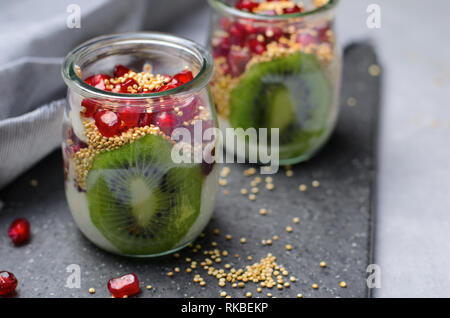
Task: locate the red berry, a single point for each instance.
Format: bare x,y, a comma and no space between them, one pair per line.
184,77
127,285
90,107
167,122
19,231
293,10
107,123
129,82
237,60
225,23
98,81
120,70
257,47
246,5
8,283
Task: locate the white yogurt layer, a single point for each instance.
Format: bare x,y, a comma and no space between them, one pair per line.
79,208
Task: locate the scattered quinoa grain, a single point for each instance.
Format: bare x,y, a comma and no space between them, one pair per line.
289,173
288,247
343,284
148,287
216,231
296,220
244,191
315,286
243,240
263,211
91,290
252,197
170,274
248,294
323,264
303,188
228,237
289,229
299,295
270,186
315,184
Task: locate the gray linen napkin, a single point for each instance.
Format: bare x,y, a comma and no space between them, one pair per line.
33,41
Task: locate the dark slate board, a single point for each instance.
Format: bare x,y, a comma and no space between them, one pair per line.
336,218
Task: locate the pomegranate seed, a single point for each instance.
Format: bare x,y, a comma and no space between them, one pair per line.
98,81
167,122
77,144
306,39
237,36
184,77
167,87
19,231
126,285
8,283
120,70
107,123
257,47
129,82
130,115
223,48
246,5
323,34
237,60
145,120
293,10
225,23
90,108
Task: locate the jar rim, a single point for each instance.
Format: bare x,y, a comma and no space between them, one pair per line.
224,7
200,81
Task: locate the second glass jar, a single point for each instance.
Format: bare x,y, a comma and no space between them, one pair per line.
276,71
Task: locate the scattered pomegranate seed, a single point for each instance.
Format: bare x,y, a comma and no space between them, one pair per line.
90,108
167,122
257,47
246,5
130,115
293,10
184,77
98,81
120,70
8,283
107,123
127,285
19,231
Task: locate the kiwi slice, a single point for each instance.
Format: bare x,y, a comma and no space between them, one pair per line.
140,200
290,93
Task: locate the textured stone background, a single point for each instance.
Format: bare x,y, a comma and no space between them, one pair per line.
336,219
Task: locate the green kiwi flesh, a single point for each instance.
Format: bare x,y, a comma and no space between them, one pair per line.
140,200
290,93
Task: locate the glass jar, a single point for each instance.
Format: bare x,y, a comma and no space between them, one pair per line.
276,71
127,189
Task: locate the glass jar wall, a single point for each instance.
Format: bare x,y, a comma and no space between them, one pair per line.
277,67
128,95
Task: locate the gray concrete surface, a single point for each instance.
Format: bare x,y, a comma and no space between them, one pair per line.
335,220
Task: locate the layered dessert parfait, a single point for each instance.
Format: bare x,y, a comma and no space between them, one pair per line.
277,67
125,191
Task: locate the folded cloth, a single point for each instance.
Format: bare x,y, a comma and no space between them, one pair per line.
34,39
